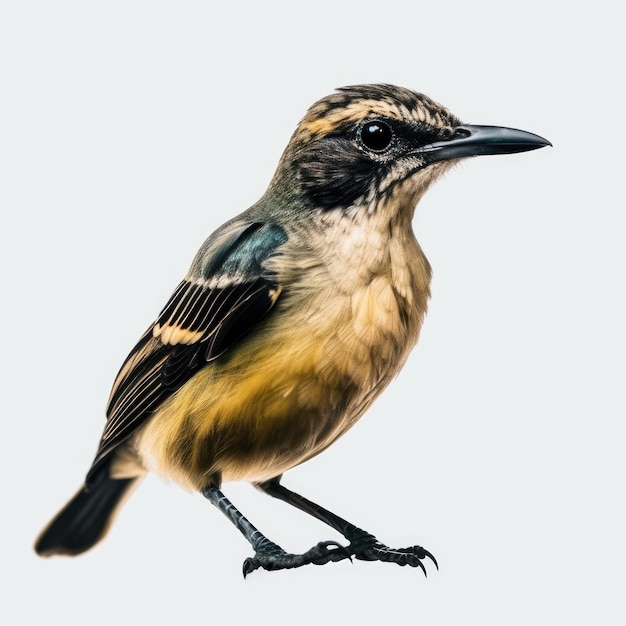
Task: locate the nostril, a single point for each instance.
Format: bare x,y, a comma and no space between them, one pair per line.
461,132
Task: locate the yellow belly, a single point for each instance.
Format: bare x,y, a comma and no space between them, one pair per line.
281,395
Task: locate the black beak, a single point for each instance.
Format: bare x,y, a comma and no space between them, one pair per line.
469,140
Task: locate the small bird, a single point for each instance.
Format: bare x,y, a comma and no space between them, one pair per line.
292,319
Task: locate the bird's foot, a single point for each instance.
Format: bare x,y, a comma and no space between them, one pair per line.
366,547
270,556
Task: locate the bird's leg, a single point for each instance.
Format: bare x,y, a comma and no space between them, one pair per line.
363,545
267,554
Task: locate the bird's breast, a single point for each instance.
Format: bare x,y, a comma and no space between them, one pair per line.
296,383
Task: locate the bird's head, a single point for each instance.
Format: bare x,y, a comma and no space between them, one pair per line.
370,144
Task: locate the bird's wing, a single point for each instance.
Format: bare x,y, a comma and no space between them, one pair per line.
227,291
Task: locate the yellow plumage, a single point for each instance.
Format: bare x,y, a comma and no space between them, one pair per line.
292,388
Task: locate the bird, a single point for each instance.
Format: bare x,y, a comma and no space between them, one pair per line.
292,319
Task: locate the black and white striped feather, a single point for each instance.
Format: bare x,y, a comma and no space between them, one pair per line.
227,291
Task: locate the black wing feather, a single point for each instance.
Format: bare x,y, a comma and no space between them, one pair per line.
226,293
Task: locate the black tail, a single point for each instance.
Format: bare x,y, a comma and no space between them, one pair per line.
85,519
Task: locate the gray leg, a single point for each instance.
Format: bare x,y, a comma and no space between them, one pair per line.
267,554
363,545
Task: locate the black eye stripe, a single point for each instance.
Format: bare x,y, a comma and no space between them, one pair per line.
376,135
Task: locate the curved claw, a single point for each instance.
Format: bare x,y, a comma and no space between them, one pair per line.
422,567
426,553
422,553
339,550
249,565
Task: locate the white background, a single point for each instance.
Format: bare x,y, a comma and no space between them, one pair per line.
136,128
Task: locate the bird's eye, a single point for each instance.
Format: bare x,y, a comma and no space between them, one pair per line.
376,136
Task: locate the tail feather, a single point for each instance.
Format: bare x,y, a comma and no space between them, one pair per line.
86,518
